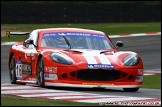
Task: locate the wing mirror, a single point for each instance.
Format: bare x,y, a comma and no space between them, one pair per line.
30,42
119,44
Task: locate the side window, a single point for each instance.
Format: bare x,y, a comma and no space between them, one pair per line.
24,44
33,36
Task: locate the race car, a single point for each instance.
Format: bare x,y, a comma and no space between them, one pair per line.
73,57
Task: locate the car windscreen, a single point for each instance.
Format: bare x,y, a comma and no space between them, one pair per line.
77,40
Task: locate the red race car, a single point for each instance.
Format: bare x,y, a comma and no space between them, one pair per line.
73,57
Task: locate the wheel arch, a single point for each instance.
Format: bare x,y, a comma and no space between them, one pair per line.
39,56
10,56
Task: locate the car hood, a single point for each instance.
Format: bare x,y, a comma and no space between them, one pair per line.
91,58
102,58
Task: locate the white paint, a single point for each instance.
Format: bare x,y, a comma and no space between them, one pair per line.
135,35
100,100
90,57
29,91
17,87
89,96
8,43
103,58
59,94
27,81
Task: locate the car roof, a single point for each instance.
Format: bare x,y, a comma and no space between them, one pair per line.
68,30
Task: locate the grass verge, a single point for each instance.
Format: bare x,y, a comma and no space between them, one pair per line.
108,28
10,100
152,81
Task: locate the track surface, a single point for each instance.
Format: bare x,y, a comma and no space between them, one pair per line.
149,48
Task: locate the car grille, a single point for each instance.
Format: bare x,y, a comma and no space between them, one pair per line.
99,75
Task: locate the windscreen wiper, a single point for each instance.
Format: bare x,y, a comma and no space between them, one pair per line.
67,41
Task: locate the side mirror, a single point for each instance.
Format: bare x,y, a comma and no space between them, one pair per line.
119,44
29,41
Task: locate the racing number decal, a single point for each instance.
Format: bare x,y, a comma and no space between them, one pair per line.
19,70
30,53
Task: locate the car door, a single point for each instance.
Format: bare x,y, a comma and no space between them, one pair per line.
28,53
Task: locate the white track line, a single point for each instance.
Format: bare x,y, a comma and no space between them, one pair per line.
18,87
31,91
73,97
111,99
8,43
25,91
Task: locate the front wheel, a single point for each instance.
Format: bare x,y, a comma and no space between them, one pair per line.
40,76
12,68
130,89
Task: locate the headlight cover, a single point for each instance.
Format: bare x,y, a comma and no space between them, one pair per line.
60,58
131,60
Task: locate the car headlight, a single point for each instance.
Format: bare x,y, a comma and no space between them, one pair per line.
61,58
131,60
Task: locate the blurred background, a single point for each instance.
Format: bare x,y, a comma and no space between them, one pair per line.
55,12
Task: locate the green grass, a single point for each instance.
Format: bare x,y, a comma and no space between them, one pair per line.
108,28
10,100
14,38
152,81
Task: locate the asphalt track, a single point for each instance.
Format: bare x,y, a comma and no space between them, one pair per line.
149,48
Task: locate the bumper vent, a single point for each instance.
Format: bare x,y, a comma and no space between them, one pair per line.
98,75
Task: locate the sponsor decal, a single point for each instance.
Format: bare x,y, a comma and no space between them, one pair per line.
81,34
102,66
140,71
18,69
97,84
46,75
26,68
22,68
31,79
63,34
49,34
51,76
50,69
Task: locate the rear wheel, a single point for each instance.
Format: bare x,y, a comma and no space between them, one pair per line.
130,89
12,68
40,76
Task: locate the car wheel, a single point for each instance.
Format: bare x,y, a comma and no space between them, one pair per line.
130,89
12,69
40,81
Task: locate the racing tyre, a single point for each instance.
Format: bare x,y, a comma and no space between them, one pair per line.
40,81
12,69
130,89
